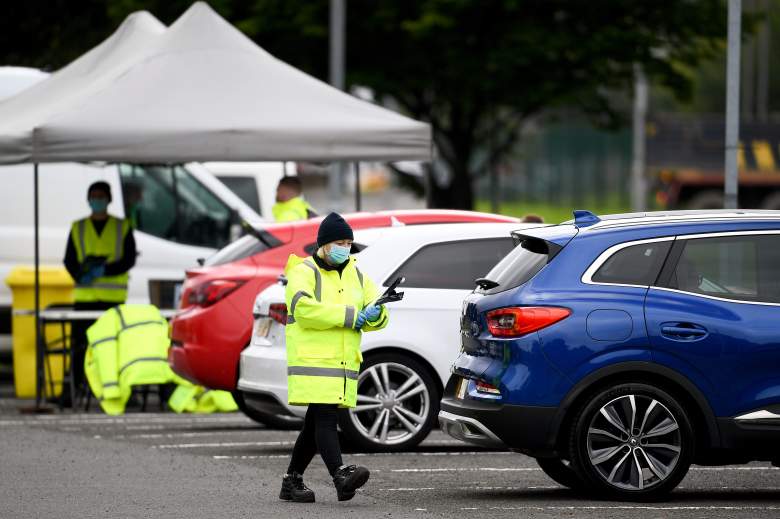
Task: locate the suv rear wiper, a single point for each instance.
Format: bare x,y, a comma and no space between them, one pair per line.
485,283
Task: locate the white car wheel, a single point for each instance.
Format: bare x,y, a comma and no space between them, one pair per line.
397,404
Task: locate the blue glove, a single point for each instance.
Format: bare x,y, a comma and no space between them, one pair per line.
97,271
372,312
86,278
360,320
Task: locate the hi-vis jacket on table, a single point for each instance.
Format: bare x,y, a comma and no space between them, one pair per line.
128,346
323,346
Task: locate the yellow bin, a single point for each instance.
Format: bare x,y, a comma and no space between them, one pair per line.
56,287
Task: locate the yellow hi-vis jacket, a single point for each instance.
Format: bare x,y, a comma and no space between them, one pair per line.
109,244
294,209
323,346
128,345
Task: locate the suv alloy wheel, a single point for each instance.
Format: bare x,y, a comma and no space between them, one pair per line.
632,442
397,405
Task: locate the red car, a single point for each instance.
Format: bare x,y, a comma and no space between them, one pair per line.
214,323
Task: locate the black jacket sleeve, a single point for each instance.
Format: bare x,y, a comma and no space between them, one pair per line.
71,260
128,258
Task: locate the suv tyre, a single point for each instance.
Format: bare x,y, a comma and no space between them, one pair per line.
561,472
632,442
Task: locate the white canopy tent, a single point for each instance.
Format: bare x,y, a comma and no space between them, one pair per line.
23,114
199,90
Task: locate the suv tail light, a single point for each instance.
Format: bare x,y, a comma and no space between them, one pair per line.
278,312
210,292
520,320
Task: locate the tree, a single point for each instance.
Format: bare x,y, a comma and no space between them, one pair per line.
478,69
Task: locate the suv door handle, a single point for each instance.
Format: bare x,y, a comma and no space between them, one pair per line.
683,331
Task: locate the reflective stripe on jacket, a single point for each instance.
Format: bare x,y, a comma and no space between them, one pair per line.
108,244
323,347
128,345
294,209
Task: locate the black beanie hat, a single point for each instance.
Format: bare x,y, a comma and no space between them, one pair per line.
333,228
100,186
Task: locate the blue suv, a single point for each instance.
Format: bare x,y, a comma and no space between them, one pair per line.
619,350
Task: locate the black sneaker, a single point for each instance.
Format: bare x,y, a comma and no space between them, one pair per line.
348,479
293,489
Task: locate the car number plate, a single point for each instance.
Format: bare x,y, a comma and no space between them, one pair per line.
262,326
460,394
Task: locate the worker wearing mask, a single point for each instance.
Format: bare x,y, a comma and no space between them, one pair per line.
99,254
330,304
290,205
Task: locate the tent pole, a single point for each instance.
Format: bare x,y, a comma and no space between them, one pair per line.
358,205
39,352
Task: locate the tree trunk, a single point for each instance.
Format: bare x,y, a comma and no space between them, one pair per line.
458,194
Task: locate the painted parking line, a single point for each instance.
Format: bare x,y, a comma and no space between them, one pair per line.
536,469
222,444
626,507
368,454
126,421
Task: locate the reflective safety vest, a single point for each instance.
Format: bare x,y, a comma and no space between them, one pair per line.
198,399
128,345
323,346
109,244
294,209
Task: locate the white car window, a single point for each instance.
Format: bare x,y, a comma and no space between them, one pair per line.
452,265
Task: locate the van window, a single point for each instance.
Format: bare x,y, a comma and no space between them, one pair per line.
731,267
520,265
168,202
634,265
452,265
245,188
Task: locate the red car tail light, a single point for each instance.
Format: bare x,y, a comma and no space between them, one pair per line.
517,321
210,292
278,312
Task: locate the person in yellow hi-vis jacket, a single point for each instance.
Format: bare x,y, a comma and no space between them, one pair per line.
330,303
290,204
99,254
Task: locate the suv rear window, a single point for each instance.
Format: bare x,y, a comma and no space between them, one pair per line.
520,265
243,247
634,265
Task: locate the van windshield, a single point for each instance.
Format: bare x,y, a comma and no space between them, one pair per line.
169,203
520,265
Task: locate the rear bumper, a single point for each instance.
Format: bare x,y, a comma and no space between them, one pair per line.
207,342
521,428
264,375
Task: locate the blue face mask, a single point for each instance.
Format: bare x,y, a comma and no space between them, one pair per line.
338,254
98,205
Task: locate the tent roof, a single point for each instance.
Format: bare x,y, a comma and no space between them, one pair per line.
29,110
200,90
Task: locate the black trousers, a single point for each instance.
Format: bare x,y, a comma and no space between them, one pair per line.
78,339
319,431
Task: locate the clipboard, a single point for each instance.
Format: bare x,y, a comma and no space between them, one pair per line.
390,295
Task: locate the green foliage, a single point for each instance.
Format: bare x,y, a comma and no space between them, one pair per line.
475,69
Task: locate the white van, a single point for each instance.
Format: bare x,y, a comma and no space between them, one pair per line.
181,213
253,182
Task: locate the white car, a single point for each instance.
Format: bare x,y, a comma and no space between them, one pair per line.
405,365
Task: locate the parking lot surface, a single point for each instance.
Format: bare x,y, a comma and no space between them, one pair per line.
207,466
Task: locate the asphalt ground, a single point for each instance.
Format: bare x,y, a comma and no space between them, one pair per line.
162,465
